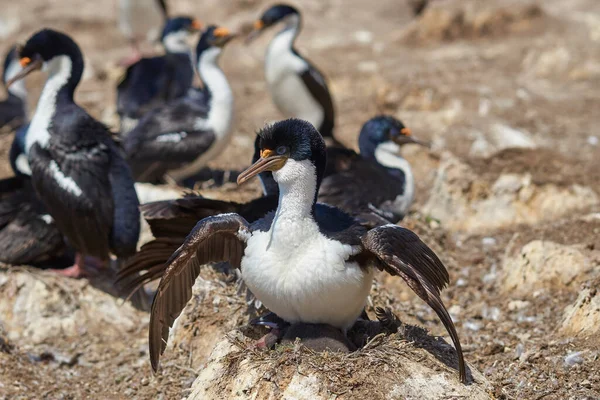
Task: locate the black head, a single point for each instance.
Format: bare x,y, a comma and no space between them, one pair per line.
43,47
213,37
180,24
11,56
48,44
277,13
272,16
381,129
289,139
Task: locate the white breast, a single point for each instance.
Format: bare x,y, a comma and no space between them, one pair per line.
302,275
282,73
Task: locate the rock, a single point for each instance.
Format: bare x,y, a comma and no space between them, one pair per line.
393,370
582,318
501,137
542,265
40,307
452,20
462,201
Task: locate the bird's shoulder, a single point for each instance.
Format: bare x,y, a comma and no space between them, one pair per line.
337,225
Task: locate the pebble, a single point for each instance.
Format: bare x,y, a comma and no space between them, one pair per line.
488,241
474,326
364,37
574,358
516,305
593,140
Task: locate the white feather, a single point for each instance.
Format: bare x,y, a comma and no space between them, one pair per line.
47,218
220,114
177,42
282,72
297,272
65,182
59,71
22,164
387,154
173,137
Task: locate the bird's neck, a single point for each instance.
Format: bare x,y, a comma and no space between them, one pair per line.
285,38
64,74
297,193
388,155
221,96
18,88
176,43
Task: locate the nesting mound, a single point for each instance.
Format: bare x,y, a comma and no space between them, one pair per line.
387,367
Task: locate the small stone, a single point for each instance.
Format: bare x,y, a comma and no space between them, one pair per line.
593,140
516,305
488,241
144,381
574,358
471,325
363,37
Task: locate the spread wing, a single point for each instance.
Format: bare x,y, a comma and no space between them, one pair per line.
399,251
214,239
170,221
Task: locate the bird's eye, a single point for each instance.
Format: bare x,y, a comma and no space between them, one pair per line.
281,150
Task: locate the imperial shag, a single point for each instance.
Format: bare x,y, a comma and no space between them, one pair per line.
306,262
297,87
77,169
179,138
154,81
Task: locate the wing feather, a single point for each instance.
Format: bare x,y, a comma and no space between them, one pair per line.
214,239
401,252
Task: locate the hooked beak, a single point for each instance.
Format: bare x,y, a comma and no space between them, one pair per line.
405,137
257,29
29,66
223,36
266,162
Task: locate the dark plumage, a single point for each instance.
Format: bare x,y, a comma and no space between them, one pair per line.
189,131
77,169
151,82
306,262
13,110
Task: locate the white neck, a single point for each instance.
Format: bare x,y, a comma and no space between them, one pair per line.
177,42
388,155
59,71
17,88
297,182
283,42
220,114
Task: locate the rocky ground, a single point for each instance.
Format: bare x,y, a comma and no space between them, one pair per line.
507,91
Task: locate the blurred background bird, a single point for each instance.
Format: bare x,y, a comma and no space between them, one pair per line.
140,22
152,82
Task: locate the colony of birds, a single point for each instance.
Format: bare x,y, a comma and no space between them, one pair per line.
307,249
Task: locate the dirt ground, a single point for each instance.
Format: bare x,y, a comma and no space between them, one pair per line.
450,76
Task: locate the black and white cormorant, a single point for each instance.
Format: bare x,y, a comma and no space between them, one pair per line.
77,169
154,81
179,138
306,262
140,21
297,87
13,110
376,180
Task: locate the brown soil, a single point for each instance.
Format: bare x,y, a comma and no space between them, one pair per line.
536,63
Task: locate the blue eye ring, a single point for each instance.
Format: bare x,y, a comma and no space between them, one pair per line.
281,150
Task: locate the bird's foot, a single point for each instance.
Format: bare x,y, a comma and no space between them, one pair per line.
75,271
268,341
81,267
